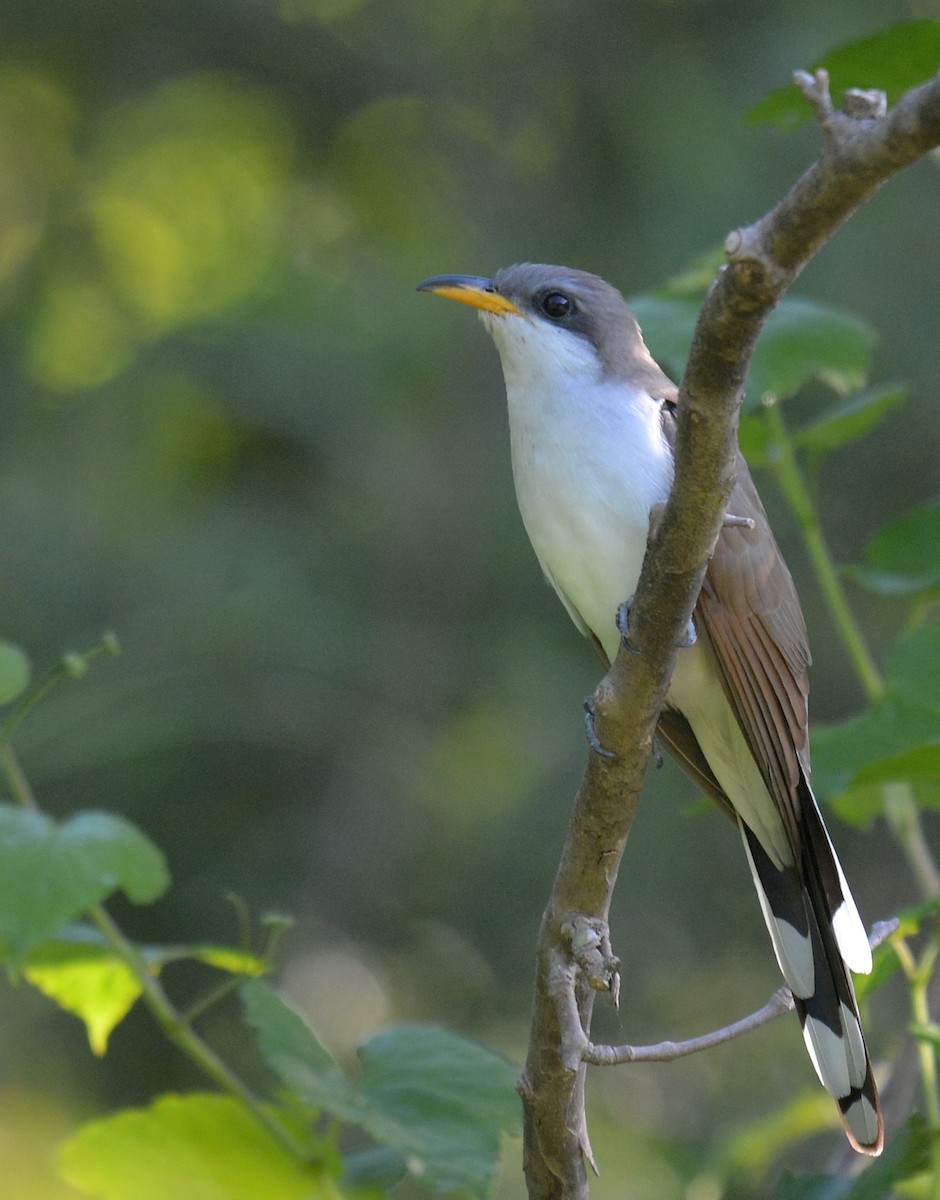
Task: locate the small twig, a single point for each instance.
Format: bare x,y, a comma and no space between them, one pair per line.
610,1056
780,1002
815,88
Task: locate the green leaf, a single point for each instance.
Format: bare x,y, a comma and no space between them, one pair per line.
82,974
891,744
668,323
907,1154
223,958
50,874
813,1187
894,60
85,979
804,340
437,1099
14,672
859,805
916,764
885,964
378,1168
197,1147
755,438
451,1097
292,1048
904,557
848,420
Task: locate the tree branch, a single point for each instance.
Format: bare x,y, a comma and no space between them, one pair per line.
779,1003
861,150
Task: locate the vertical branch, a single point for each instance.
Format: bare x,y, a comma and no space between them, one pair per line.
861,151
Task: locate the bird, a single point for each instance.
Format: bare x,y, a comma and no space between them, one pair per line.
592,420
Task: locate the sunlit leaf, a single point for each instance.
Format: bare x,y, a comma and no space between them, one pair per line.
904,557
848,420
226,958
894,60
82,974
14,672
87,980
80,336
441,1101
50,874
186,186
37,122
197,1147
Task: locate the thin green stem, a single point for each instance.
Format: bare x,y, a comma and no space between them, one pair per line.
74,664
918,976
185,1037
903,817
796,490
170,1020
16,779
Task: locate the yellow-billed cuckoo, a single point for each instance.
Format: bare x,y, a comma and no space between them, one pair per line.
591,419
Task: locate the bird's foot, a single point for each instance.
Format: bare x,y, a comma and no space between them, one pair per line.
733,522
623,626
591,731
689,638
599,967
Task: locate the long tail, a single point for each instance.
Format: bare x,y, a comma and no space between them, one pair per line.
817,935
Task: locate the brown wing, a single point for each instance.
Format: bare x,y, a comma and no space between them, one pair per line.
749,612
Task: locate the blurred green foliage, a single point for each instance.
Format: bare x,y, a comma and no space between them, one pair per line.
233,433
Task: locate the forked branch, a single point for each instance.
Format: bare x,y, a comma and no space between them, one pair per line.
863,146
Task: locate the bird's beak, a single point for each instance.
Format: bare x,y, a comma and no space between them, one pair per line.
469,289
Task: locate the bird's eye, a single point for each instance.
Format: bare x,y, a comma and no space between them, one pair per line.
556,305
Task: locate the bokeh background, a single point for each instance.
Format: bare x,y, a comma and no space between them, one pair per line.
234,434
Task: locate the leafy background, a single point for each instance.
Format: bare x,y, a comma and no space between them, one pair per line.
234,434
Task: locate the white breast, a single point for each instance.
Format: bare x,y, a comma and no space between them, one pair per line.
589,462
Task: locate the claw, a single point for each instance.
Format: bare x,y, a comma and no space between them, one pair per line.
593,740
733,522
623,628
623,625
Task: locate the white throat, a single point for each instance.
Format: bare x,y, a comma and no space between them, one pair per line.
589,461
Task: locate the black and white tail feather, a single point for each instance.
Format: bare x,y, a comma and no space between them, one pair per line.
818,938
